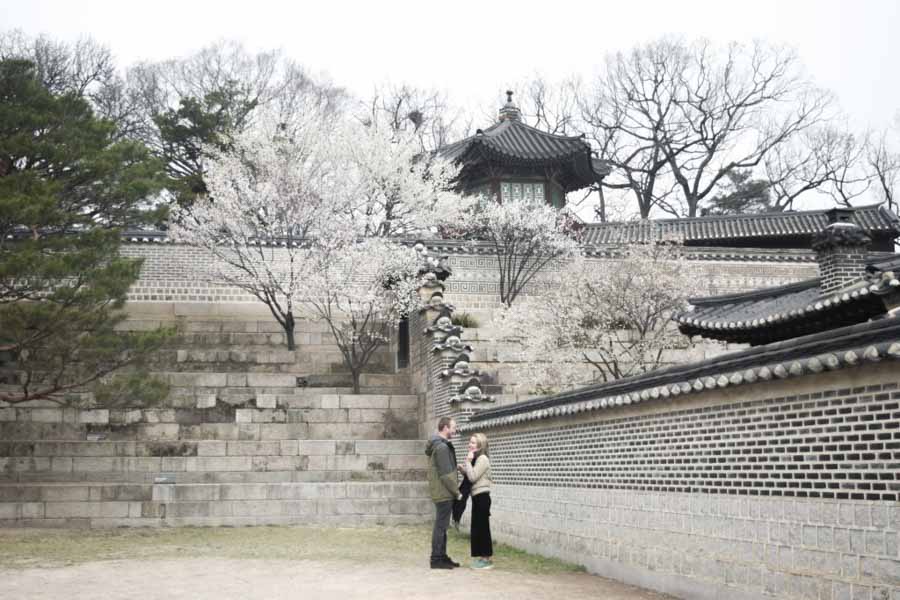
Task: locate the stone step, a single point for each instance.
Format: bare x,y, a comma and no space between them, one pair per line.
150,477
196,461
325,503
389,428
125,449
206,464
196,325
75,492
270,408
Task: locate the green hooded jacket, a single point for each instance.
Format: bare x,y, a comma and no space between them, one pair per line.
442,479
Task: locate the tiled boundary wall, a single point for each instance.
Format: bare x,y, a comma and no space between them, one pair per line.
168,274
786,488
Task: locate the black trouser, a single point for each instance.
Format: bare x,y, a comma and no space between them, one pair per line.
481,525
439,532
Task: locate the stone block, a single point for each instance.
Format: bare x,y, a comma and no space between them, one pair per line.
364,401
159,431
279,463
236,379
32,510
244,491
65,493
211,448
174,464
198,379
402,462
266,401
164,493
189,509
330,401
362,415
407,402
7,414
41,415
197,492
325,415
331,431
271,380
206,401
255,448
316,447
289,447
199,326
61,464
268,415
243,415
283,431
390,447
218,463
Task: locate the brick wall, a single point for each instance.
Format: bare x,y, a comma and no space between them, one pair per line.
841,266
783,489
170,274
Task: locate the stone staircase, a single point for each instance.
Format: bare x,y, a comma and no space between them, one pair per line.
237,442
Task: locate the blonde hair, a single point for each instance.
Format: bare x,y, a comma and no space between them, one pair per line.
482,442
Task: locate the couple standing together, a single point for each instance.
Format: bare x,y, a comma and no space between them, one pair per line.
443,483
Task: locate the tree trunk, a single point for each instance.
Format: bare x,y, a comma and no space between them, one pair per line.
356,375
289,331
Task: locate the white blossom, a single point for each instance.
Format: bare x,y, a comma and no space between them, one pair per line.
274,214
526,236
363,295
598,321
396,189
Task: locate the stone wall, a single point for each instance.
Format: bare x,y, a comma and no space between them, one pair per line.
166,287
786,488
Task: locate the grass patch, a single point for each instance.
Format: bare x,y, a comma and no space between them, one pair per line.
22,548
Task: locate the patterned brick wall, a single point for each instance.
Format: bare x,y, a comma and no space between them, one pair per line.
170,272
786,488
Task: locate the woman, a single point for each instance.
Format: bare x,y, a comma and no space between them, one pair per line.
477,468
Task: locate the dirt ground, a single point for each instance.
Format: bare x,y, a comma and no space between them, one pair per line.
330,565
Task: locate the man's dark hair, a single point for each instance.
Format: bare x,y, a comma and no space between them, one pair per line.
444,422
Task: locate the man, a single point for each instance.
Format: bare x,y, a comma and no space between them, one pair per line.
444,489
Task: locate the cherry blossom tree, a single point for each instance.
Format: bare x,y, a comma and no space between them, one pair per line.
396,189
275,212
598,322
526,237
363,295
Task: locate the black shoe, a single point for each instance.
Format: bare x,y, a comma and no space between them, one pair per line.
441,564
452,562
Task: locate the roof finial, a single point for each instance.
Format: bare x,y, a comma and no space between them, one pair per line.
510,111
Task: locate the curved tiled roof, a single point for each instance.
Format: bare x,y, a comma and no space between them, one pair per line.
779,313
513,143
733,228
829,351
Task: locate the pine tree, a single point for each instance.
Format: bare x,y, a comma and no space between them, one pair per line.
66,190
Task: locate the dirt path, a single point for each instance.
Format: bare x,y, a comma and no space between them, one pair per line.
227,579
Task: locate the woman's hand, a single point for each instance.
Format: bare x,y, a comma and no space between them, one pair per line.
470,455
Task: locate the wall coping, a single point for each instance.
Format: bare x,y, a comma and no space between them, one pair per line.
597,251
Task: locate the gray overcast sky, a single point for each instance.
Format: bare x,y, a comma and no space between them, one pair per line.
474,50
